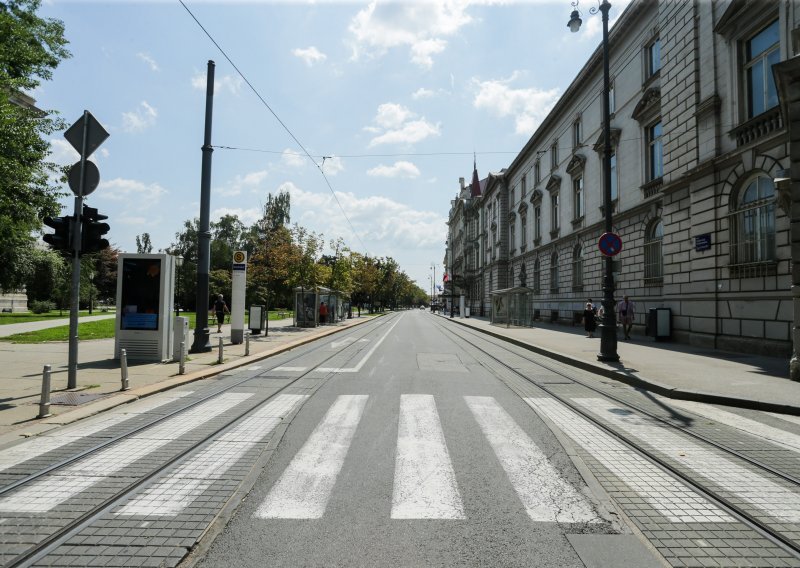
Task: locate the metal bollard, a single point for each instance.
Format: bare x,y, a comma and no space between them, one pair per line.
247,343
182,360
219,359
44,405
123,362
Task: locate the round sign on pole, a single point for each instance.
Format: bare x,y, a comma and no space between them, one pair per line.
91,178
609,244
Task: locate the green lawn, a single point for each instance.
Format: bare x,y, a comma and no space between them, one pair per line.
103,329
6,319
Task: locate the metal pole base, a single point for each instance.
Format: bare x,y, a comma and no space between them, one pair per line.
202,341
608,344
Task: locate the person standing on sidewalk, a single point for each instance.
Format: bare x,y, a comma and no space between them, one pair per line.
626,310
589,321
221,308
323,312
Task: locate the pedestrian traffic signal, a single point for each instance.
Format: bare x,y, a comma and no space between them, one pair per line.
93,230
61,238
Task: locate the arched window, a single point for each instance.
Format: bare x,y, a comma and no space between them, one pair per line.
577,267
753,222
653,253
537,281
554,272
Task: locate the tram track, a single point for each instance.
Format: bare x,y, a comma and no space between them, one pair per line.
97,510
771,531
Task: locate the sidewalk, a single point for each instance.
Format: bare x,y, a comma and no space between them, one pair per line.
669,369
99,375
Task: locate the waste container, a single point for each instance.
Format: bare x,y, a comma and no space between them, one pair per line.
257,320
466,312
659,323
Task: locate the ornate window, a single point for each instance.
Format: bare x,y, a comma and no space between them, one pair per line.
512,235
554,272
753,222
655,151
537,172
554,214
523,185
577,268
523,224
577,197
653,56
537,224
577,133
653,253
554,155
761,53
614,185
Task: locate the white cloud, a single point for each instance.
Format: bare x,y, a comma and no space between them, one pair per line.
528,106
139,119
231,83
399,169
149,60
310,55
422,93
382,224
419,26
332,165
63,154
248,182
136,194
293,159
398,125
130,220
246,216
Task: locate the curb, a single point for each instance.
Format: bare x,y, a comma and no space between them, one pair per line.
642,383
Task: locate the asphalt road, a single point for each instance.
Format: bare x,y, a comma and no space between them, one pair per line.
398,500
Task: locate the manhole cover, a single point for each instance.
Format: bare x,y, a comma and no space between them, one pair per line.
74,398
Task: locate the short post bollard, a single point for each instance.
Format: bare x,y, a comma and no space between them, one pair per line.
247,343
219,359
182,360
123,362
44,405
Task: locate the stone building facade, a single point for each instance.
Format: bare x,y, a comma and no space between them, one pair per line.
699,145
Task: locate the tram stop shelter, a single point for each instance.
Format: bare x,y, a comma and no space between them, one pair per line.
338,303
511,306
306,305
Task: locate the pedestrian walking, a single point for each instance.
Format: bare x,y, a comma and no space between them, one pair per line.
323,312
589,319
221,308
626,310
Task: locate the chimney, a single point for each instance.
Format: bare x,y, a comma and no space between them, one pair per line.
461,182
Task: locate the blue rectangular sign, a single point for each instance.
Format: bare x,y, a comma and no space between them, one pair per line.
702,242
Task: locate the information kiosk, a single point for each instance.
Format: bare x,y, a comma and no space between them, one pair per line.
145,300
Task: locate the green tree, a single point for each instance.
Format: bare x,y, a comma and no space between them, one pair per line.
143,244
47,269
30,48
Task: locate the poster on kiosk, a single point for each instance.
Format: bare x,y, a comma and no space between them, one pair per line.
145,300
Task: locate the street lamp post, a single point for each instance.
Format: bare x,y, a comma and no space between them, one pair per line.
608,326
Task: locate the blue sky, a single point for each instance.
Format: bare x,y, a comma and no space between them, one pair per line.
397,95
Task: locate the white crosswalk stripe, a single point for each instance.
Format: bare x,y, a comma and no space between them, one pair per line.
544,492
45,494
673,499
175,493
761,492
424,481
303,491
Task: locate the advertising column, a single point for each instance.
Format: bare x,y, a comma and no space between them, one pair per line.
239,282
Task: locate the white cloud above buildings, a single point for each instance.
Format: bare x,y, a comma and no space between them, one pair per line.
396,124
528,106
310,55
139,119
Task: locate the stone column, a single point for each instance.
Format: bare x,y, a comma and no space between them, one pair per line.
787,79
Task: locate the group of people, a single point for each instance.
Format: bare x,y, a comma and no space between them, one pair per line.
626,310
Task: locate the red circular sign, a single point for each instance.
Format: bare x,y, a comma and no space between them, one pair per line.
609,244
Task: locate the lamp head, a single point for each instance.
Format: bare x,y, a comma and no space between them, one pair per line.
575,21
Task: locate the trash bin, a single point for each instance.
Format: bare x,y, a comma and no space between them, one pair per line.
466,312
258,319
659,323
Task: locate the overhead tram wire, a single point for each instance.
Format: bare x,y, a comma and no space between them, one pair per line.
286,128
397,155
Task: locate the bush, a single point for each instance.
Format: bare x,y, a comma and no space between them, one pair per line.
42,306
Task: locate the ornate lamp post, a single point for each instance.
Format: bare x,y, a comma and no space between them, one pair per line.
608,327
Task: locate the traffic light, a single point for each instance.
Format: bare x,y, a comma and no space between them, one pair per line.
93,230
61,238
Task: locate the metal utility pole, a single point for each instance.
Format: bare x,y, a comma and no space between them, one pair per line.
202,340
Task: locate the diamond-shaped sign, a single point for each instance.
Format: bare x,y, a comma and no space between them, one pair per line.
95,134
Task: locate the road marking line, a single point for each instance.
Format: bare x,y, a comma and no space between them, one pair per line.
256,368
357,368
424,481
761,492
775,435
544,492
304,488
786,417
50,491
171,496
670,497
50,441
290,369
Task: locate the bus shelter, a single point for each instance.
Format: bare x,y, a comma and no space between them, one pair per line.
511,306
306,305
337,304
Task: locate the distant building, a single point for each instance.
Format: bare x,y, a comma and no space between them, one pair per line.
699,139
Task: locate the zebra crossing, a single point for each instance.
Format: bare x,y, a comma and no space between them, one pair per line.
424,484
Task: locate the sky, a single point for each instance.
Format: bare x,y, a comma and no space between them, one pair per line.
391,101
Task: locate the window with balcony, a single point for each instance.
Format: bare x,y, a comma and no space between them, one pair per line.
653,253
753,223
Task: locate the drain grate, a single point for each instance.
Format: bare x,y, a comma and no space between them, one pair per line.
74,398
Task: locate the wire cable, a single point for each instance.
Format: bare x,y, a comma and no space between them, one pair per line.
285,127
